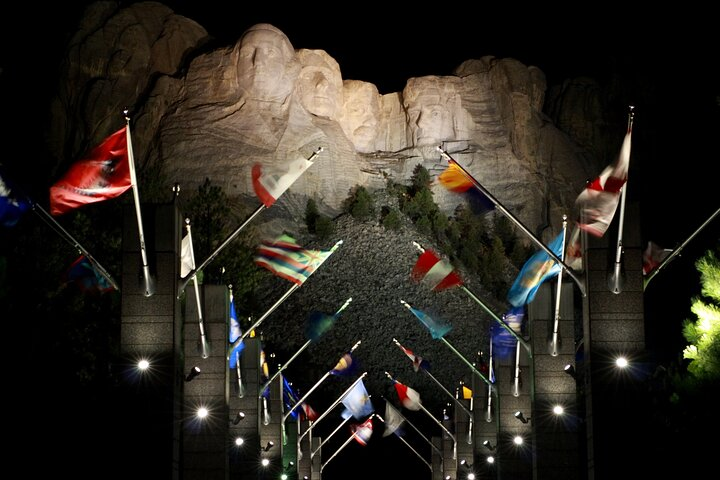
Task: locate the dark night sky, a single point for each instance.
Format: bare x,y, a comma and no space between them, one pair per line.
668,61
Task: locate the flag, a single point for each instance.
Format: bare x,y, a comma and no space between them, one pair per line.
12,206
345,366
362,432
86,277
264,366
234,334
318,324
290,398
653,256
270,183
539,267
599,201
435,273
455,180
103,174
417,361
408,397
357,401
503,342
466,393
187,256
309,412
393,421
437,328
491,362
286,259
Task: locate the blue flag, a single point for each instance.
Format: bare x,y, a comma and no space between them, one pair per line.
86,277
318,324
357,401
537,269
346,366
290,398
437,329
503,342
12,206
235,333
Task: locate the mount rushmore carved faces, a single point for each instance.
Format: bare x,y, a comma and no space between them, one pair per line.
361,114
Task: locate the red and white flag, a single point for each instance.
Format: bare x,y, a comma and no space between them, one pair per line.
102,175
653,256
270,183
434,272
363,431
600,199
408,397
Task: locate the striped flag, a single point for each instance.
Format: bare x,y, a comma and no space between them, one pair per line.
363,431
234,334
434,272
270,183
286,259
408,397
538,268
417,361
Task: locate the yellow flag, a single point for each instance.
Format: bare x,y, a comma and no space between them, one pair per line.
467,393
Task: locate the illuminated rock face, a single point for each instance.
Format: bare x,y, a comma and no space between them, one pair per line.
217,113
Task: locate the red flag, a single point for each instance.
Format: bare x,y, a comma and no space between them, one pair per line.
362,432
102,175
653,256
270,183
435,273
408,397
310,413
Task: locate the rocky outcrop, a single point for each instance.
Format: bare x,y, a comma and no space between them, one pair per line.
200,113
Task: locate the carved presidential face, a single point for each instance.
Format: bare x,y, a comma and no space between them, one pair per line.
265,60
431,105
319,85
360,114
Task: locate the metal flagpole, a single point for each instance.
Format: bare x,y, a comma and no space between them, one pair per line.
410,447
201,324
238,368
615,280
434,447
149,282
326,412
517,222
678,250
307,344
232,236
434,419
555,341
52,223
312,454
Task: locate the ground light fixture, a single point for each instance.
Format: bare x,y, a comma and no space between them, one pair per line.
489,445
570,370
238,418
143,364
239,441
621,362
518,440
519,415
269,445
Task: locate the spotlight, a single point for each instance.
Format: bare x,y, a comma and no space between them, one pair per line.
240,416
194,372
519,415
465,464
518,440
143,365
570,370
489,445
202,412
490,459
239,441
558,410
265,462
269,445
621,362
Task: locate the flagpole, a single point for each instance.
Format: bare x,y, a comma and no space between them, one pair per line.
677,250
201,324
434,419
312,454
307,344
440,385
340,448
230,238
410,447
317,384
149,283
491,374
471,420
52,223
326,412
517,222
615,280
555,341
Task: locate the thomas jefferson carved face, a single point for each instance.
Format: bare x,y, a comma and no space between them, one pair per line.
319,85
361,113
265,63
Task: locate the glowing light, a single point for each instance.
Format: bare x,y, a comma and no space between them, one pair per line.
558,410
265,462
490,459
621,362
239,441
518,440
283,476
202,412
471,476
143,364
